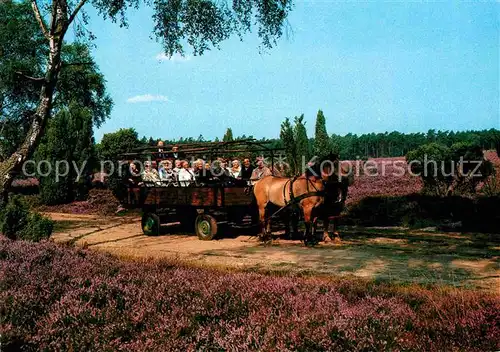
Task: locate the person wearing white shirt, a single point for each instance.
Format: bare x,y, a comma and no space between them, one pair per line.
186,175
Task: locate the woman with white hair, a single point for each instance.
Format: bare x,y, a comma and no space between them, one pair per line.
150,174
166,173
235,170
186,175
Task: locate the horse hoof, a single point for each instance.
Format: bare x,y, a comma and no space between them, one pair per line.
266,238
326,238
310,242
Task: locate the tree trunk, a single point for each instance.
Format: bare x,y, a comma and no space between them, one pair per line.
13,164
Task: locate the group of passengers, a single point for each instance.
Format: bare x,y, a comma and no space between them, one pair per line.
181,173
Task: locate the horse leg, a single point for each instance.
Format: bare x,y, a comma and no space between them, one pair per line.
326,223
262,219
295,223
268,226
335,232
307,221
287,217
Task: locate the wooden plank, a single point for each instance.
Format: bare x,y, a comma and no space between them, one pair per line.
198,196
236,196
203,196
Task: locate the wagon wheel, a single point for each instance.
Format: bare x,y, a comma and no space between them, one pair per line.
206,227
150,224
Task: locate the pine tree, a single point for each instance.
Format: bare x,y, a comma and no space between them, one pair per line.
301,142
288,139
322,144
336,144
228,136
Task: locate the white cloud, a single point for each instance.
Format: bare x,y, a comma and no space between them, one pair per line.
146,98
174,58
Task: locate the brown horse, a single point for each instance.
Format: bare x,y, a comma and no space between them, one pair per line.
335,197
306,191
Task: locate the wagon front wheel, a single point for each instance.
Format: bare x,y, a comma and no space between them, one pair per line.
150,224
206,227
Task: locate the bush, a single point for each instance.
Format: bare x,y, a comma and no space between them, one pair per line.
449,170
417,211
18,222
37,228
14,217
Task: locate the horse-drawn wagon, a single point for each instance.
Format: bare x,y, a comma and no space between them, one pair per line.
212,201
203,206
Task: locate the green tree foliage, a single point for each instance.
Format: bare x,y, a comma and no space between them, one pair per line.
200,25
124,140
112,145
392,144
301,142
80,101
449,170
228,136
288,139
25,51
68,139
54,148
322,145
18,222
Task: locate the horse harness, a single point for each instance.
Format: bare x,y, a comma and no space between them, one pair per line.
295,200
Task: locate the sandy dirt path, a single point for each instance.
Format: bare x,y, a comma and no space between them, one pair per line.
389,254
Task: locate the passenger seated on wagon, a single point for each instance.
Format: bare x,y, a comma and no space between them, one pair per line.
201,175
150,175
177,169
134,176
218,174
246,170
166,173
185,176
260,171
235,170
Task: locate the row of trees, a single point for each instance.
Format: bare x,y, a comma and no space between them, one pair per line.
392,144
352,146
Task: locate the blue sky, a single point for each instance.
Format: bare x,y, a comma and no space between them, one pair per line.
371,67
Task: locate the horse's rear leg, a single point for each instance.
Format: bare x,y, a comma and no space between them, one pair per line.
262,218
335,223
326,234
265,223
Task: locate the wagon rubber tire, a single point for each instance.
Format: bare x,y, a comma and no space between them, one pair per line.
150,224
206,227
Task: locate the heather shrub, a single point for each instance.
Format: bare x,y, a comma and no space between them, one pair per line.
17,221
61,298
